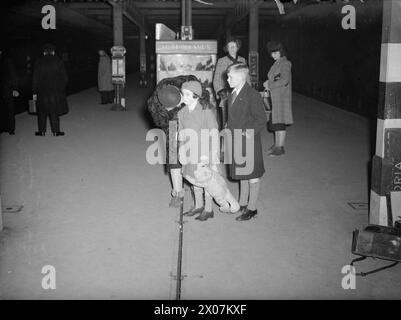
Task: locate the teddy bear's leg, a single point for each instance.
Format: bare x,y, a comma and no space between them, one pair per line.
224,206
234,205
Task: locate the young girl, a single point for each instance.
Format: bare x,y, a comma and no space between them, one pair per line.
197,115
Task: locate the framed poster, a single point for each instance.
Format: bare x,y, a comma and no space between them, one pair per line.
253,59
187,57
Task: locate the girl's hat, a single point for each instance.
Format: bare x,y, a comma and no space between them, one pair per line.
193,86
169,96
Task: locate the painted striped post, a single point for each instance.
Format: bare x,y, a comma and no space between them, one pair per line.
1,216
386,164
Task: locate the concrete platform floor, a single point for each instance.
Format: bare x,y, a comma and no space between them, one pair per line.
98,212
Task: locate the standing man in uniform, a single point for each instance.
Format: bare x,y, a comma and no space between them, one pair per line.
48,87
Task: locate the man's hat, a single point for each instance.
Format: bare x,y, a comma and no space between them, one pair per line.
169,96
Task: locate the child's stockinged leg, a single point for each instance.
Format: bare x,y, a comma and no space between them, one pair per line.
198,197
253,193
244,192
208,202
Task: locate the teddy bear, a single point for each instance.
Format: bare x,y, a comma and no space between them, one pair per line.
216,186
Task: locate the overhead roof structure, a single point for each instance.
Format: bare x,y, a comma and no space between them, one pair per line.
209,17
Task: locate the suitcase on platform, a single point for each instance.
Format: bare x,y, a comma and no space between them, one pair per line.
32,107
377,242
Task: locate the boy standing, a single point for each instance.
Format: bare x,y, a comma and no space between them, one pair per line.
246,116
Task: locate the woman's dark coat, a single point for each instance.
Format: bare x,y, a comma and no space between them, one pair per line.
161,116
49,83
104,81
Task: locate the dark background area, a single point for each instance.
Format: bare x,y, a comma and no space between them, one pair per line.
23,37
330,64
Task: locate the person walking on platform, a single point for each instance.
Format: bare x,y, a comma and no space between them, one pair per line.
48,88
279,87
246,118
105,85
8,90
195,116
220,85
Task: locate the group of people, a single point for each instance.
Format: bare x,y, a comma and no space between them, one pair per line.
49,82
182,103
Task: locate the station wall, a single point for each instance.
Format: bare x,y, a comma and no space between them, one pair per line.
330,64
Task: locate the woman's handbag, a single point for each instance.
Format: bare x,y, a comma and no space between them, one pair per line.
267,102
32,106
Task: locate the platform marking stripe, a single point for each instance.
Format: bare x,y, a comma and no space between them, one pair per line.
382,125
378,209
390,62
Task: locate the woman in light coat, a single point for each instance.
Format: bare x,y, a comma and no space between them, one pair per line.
105,84
279,86
220,85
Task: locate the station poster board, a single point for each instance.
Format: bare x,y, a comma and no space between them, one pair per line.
187,57
253,59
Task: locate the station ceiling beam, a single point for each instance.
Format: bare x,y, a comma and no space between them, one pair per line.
133,14
65,16
238,12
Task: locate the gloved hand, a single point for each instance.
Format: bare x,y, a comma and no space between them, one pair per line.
15,93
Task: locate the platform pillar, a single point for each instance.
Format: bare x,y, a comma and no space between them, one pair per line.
386,164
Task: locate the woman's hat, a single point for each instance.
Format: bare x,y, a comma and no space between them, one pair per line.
169,96
193,86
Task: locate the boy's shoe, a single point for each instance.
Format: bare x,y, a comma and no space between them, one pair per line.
246,215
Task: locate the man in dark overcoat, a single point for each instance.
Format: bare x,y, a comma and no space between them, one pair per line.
8,90
246,120
48,87
104,78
